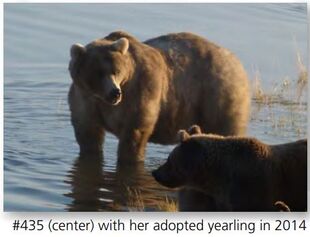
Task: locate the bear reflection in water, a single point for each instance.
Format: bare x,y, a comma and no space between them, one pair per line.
95,187
241,174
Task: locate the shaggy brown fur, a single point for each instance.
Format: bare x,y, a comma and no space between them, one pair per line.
147,91
241,174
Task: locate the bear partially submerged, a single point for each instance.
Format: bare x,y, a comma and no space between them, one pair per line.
241,174
147,91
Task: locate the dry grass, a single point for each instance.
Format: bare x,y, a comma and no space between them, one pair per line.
137,203
302,77
282,103
135,200
280,92
286,91
257,89
168,205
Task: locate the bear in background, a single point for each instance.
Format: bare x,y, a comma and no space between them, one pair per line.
240,173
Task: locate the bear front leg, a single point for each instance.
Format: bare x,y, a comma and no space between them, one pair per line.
85,119
132,145
143,113
89,137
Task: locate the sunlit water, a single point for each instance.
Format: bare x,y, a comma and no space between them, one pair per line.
42,171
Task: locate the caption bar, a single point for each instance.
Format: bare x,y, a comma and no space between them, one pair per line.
118,225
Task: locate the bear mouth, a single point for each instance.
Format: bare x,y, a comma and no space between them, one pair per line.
114,100
109,101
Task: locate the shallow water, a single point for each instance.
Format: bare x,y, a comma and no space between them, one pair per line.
42,171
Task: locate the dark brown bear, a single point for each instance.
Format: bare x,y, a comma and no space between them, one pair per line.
241,174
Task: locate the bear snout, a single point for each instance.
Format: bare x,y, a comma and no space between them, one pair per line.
115,93
160,177
115,96
156,175
165,178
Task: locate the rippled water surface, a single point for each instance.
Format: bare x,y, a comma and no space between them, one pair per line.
42,171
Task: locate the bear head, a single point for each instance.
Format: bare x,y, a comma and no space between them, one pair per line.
195,163
101,68
184,160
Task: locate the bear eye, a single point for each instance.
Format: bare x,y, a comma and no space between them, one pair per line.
117,71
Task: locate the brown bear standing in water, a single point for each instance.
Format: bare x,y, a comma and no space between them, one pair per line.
241,174
147,91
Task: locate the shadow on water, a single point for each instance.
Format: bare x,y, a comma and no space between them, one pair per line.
128,188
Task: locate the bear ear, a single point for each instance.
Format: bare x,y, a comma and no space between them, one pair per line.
195,129
183,136
77,50
121,45
281,206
